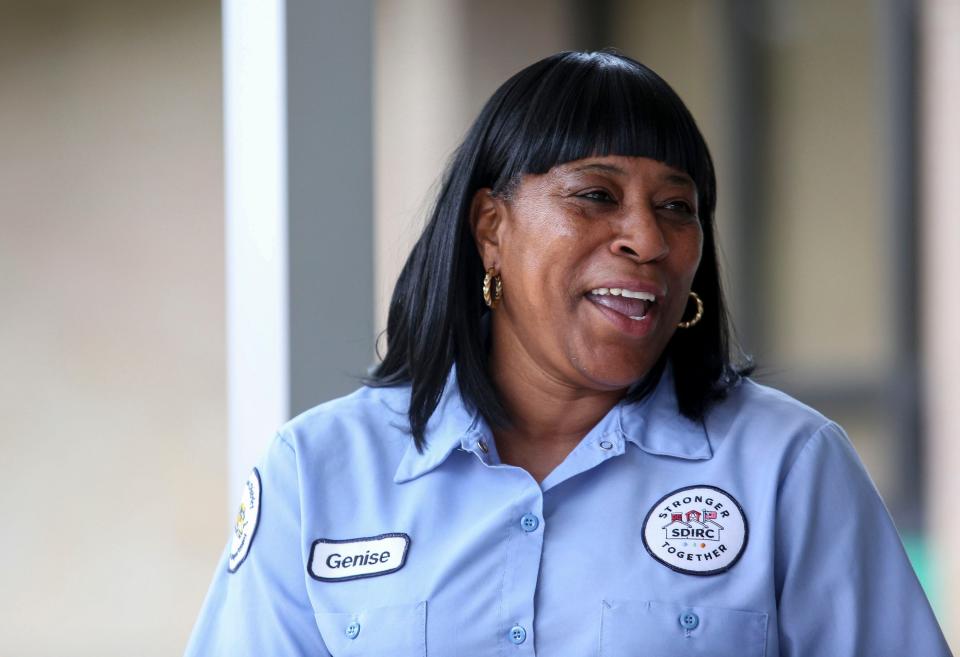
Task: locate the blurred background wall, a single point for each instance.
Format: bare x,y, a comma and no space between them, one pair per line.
112,399
829,124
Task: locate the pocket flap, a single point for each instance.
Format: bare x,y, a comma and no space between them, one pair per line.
667,629
394,631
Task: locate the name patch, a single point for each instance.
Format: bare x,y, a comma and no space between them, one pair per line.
338,561
697,530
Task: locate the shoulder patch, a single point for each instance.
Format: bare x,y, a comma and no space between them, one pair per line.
338,561
245,525
696,530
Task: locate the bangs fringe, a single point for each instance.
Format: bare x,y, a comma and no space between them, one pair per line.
592,105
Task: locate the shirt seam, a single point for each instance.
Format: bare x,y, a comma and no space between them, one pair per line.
283,439
803,452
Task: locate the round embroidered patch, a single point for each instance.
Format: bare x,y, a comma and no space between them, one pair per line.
697,530
245,525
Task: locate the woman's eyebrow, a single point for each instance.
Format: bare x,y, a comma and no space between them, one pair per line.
601,167
672,178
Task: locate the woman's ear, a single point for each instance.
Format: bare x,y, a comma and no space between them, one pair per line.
486,220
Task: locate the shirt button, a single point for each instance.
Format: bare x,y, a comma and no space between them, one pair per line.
606,444
689,620
483,447
529,522
353,629
517,634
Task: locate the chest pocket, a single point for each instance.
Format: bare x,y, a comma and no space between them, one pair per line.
663,629
394,631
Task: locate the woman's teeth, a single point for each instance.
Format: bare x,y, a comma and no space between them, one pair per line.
620,292
631,303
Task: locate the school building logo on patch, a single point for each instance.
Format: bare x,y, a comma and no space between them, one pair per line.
697,530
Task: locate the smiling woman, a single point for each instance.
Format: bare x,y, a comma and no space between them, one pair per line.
594,135
559,452
599,255
615,234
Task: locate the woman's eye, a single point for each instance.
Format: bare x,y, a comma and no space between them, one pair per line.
679,206
597,195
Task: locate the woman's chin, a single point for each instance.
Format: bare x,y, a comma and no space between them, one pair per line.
614,373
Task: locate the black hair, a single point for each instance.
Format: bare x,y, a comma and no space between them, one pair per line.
565,107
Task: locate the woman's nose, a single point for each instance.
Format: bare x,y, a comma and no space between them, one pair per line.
640,237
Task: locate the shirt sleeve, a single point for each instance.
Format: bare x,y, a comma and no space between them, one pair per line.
262,607
844,583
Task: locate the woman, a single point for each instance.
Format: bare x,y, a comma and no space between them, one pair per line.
558,454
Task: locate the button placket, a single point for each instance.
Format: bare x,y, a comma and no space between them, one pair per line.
522,565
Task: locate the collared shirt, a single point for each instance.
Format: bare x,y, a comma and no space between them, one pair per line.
755,533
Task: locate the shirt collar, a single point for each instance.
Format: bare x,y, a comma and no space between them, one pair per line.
654,424
451,425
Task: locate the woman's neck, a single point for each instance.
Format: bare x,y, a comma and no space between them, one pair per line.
548,416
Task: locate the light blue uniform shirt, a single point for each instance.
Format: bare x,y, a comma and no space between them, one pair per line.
361,546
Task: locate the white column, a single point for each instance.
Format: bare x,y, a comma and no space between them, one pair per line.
298,164
255,158
940,274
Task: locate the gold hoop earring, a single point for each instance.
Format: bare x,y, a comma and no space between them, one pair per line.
492,278
698,316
